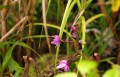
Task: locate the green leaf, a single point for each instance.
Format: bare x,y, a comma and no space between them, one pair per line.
14,66
68,74
86,66
53,26
17,73
92,74
93,18
35,36
27,46
114,72
1,6
2,44
7,57
107,59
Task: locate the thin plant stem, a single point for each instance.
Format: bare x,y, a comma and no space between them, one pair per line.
3,25
55,27
29,42
83,31
45,27
14,28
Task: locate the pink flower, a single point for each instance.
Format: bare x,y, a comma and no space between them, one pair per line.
75,35
73,28
63,65
95,56
56,40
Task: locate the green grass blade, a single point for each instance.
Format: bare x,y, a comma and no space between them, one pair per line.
7,57
53,26
93,18
66,15
83,31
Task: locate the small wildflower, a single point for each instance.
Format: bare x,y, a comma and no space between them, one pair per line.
73,28
63,65
56,40
74,35
95,56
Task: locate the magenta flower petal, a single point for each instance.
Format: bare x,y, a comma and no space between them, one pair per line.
63,65
63,61
56,40
66,68
73,28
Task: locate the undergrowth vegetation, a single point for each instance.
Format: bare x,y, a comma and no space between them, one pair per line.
59,38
